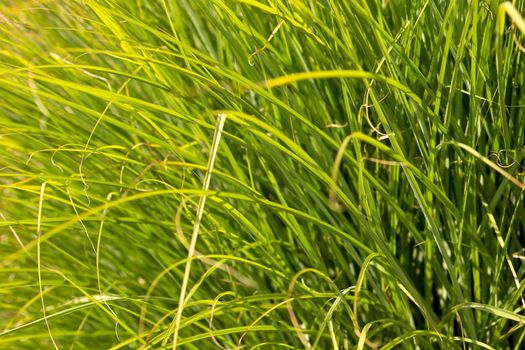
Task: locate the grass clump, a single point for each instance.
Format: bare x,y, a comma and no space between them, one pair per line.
367,187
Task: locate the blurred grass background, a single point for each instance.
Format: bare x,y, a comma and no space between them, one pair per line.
367,186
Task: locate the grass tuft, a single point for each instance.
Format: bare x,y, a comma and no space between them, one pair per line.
367,188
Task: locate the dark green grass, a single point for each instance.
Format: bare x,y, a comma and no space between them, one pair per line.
367,186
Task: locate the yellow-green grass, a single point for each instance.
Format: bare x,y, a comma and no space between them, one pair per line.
262,174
